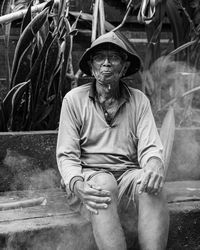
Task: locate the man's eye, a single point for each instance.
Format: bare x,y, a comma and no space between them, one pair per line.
115,58
99,57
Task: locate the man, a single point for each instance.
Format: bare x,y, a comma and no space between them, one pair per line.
106,134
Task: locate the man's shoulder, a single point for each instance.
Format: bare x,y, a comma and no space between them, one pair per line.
137,94
79,92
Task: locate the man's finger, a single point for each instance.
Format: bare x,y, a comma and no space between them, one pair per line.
151,184
95,205
160,186
96,190
98,199
144,183
95,211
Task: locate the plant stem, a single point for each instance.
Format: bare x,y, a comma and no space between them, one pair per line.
19,14
95,20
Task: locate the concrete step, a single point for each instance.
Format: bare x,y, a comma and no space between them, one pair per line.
52,225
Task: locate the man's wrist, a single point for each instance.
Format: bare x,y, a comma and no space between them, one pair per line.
77,185
155,161
73,182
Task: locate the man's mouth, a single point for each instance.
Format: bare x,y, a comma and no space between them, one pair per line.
106,72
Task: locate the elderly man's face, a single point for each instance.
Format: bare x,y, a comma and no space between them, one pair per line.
108,65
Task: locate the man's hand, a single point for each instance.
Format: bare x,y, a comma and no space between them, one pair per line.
92,196
152,180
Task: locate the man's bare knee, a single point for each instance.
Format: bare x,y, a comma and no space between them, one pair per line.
106,181
159,200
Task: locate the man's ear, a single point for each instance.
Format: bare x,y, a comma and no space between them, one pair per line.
125,67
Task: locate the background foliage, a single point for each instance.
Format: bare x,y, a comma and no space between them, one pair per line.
38,77
42,71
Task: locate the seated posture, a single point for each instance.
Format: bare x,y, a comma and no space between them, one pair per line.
107,137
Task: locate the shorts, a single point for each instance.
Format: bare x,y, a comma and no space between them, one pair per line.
127,185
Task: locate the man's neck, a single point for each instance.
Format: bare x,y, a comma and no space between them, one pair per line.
107,91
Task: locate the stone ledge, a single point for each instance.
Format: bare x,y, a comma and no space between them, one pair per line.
55,226
27,159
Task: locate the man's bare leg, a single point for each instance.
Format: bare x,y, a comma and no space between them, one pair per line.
153,221
107,229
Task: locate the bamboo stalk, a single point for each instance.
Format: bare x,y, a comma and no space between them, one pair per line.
102,17
95,20
22,204
19,14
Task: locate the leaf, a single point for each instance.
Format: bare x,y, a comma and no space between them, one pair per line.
85,17
23,67
150,55
16,100
8,100
6,8
66,50
34,70
182,47
27,17
167,132
3,124
61,8
147,11
176,22
26,38
43,114
73,29
51,59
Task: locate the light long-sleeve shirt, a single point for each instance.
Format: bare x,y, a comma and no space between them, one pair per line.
86,140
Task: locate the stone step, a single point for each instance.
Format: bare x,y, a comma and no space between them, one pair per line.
53,225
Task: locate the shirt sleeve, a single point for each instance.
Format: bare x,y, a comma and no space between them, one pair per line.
68,143
149,142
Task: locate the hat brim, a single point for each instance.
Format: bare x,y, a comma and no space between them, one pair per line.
133,58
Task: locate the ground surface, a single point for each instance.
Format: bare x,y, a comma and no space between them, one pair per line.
52,225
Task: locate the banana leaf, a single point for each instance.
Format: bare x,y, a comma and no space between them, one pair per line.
167,132
26,39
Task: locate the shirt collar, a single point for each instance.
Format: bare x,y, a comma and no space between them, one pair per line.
124,91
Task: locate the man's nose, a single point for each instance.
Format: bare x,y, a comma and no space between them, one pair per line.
106,61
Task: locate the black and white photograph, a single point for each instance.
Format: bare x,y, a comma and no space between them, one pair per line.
99,125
